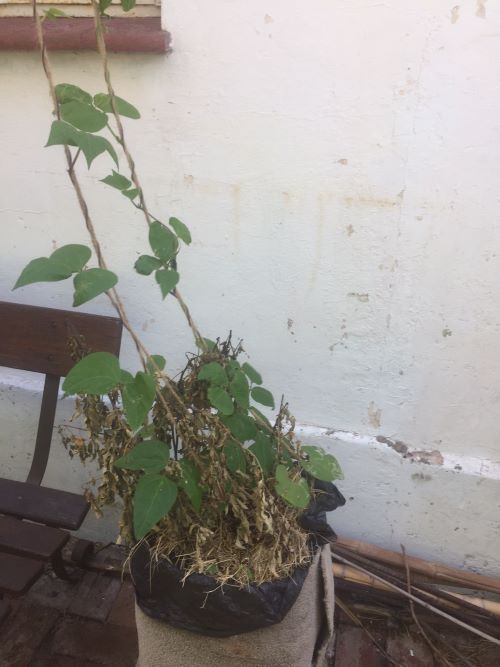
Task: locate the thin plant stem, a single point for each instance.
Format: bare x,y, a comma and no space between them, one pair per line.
432,646
101,47
71,161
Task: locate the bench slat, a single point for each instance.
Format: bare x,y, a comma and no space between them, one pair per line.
51,507
17,574
33,338
30,539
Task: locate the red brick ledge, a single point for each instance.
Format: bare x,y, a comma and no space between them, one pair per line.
133,35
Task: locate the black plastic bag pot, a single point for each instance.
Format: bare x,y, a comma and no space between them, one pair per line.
201,605
304,638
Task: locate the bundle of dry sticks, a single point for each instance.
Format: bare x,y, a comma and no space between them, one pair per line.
441,604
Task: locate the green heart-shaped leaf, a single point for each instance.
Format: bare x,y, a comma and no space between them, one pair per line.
83,116
154,497
167,279
41,270
181,230
72,256
220,400
321,465
138,397
189,483
150,455
214,373
294,491
90,283
97,373
124,108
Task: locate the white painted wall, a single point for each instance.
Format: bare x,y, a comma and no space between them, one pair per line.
337,164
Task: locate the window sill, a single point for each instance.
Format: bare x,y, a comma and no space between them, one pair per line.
132,35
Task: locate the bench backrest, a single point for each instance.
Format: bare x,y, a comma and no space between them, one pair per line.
33,338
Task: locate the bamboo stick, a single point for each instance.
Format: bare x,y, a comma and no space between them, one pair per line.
490,606
422,603
454,603
420,566
440,597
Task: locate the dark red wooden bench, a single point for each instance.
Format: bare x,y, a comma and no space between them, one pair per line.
34,520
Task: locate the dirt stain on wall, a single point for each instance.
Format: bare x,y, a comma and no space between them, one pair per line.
364,298
374,202
374,415
481,9
455,13
236,193
320,224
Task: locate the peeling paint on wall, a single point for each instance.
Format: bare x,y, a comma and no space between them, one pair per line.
430,457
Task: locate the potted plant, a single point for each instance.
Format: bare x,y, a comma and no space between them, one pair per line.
223,507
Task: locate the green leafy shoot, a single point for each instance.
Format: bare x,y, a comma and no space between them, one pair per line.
64,134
